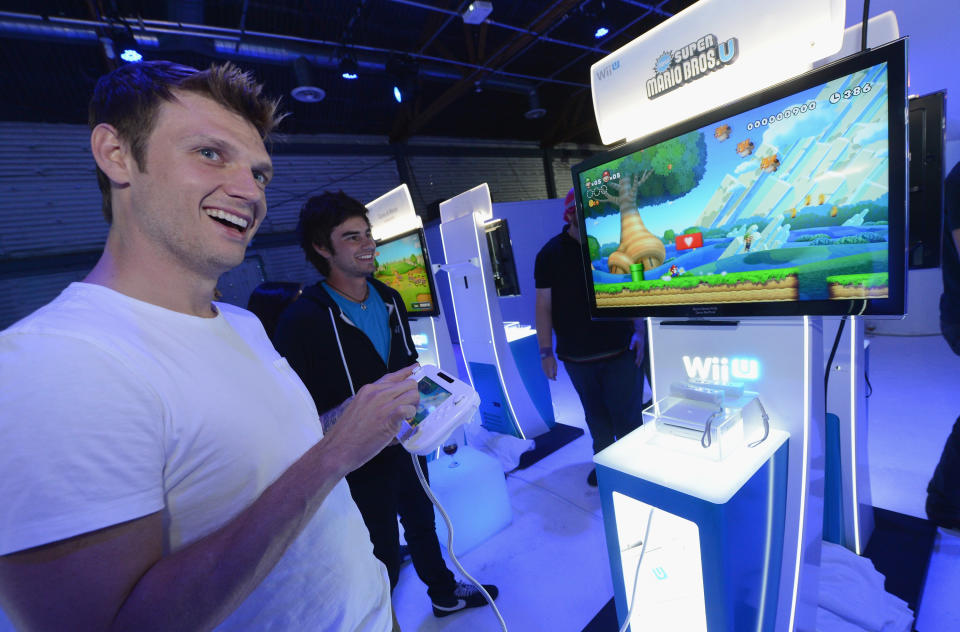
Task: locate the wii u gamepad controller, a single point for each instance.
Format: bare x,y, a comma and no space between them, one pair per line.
446,403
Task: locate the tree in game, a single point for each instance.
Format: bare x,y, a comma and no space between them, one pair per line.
594,246
657,174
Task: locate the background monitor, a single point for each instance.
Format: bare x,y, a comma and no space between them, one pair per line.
501,258
927,125
403,263
790,201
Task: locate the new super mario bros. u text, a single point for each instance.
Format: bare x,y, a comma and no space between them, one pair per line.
688,63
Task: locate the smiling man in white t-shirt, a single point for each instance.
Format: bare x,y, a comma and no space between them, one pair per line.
163,467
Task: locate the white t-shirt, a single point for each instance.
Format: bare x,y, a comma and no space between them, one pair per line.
112,409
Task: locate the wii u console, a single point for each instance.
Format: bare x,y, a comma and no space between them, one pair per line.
445,404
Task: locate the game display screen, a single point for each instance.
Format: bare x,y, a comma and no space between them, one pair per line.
403,264
431,396
791,201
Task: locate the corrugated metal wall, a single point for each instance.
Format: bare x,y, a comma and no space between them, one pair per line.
51,227
49,201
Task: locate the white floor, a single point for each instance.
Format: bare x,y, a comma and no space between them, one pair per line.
551,562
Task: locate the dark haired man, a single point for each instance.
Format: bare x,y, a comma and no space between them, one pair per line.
347,331
607,377
163,467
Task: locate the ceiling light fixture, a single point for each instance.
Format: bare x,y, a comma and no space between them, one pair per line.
535,110
306,91
403,73
131,55
601,32
348,67
477,12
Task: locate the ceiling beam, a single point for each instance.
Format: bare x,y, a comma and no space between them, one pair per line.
504,54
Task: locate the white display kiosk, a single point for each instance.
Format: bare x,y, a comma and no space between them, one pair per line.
751,516
515,396
470,483
735,511
392,214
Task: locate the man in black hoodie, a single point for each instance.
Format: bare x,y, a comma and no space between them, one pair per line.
348,331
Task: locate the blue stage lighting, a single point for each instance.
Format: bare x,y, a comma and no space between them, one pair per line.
397,94
348,67
601,32
131,55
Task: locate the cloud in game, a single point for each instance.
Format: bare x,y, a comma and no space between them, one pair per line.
810,123
867,133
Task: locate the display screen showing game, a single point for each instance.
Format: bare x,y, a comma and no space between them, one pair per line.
791,201
403,264
431,396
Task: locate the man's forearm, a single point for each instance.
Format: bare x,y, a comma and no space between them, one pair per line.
330,417
543,322
200,585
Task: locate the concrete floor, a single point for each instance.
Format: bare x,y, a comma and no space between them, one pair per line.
551,564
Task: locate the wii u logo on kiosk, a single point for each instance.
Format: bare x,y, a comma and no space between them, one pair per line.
605,71
720,370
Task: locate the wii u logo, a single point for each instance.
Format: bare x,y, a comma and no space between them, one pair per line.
605,71
720,370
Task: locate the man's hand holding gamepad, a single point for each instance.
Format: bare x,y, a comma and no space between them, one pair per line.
371,419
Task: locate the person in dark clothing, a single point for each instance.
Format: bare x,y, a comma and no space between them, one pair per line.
597,355
943,491
346,332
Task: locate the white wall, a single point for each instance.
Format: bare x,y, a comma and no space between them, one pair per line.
531,225
933,27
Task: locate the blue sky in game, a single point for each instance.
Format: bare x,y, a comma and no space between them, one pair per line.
399,249
722,158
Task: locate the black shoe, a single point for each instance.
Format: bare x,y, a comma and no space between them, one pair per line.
464,596
592,478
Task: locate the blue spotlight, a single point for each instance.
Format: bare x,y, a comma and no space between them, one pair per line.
601,32
131,55
397,94
348,67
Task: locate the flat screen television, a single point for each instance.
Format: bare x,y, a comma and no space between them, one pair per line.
790,201
402,262
501,258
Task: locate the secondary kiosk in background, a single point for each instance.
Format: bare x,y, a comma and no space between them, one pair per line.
502,361
398,231
780,206
470,483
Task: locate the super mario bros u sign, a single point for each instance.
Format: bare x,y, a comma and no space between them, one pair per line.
689,63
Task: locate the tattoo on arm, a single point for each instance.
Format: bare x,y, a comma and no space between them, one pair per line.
330,417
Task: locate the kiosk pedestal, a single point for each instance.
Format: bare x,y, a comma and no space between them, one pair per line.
715,544
848,506
743,524
506,404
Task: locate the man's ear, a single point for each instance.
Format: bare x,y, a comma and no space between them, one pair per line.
110,153
320,250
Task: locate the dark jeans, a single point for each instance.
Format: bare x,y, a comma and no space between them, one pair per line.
943,491
951,333
611,392
387,486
